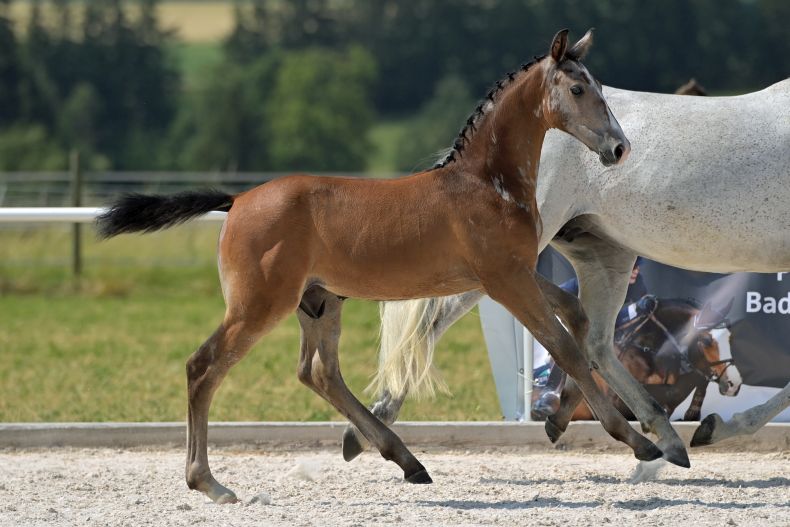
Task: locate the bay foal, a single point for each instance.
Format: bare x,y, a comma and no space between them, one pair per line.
472,223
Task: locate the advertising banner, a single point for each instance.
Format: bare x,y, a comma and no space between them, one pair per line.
753,335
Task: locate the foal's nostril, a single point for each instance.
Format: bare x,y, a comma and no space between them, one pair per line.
619,150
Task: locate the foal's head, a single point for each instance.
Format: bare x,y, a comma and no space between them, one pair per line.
573,101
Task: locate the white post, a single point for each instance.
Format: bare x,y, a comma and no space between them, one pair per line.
529,367
504,339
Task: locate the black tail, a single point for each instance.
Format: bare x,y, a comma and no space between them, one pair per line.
142,213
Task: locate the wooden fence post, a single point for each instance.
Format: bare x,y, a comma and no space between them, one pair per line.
76,201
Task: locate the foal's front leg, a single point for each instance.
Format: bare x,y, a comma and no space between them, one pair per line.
528,304
319,369
603,272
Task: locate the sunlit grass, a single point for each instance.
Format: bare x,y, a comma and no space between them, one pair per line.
192,21
112,346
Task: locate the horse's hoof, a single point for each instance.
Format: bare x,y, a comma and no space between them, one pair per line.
547,405
677,456
420,477
219,494
703,435
352,447
692,416
553,431
648,452
226,499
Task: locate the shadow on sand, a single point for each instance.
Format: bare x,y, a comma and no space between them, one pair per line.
673,482
537,503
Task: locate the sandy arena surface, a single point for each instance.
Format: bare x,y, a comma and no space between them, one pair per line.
505,487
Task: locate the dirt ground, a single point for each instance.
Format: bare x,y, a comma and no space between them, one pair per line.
503,487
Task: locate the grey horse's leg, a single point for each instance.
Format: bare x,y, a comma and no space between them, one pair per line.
713,428
387,407
603,271
319,369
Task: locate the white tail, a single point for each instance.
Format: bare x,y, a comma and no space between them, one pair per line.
407,346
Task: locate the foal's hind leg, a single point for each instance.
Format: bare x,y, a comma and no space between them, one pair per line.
385,409
248,317
387,406
319,369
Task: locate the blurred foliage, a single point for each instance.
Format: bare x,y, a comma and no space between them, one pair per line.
430,132
28,147
222,126
286,110
97,82
321,110
298,84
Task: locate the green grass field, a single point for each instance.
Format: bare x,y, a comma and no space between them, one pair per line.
113,347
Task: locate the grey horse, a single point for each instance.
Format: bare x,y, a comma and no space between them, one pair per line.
706,188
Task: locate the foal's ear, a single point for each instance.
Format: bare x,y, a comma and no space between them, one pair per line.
559,45
580,49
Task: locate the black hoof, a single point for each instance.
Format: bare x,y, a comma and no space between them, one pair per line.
553,431
546,406
648,452
351,445
703,435
677,456
420,477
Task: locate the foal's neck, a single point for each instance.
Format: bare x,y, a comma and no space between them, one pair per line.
505,150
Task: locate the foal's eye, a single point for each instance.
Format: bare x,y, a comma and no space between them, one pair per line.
577,90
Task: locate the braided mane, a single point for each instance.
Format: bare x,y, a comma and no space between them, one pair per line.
477,116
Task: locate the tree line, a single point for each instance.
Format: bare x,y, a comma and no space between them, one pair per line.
301,82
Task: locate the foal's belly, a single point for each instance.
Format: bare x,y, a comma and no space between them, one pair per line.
394,282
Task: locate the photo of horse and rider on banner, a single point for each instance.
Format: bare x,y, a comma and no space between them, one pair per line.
699,342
